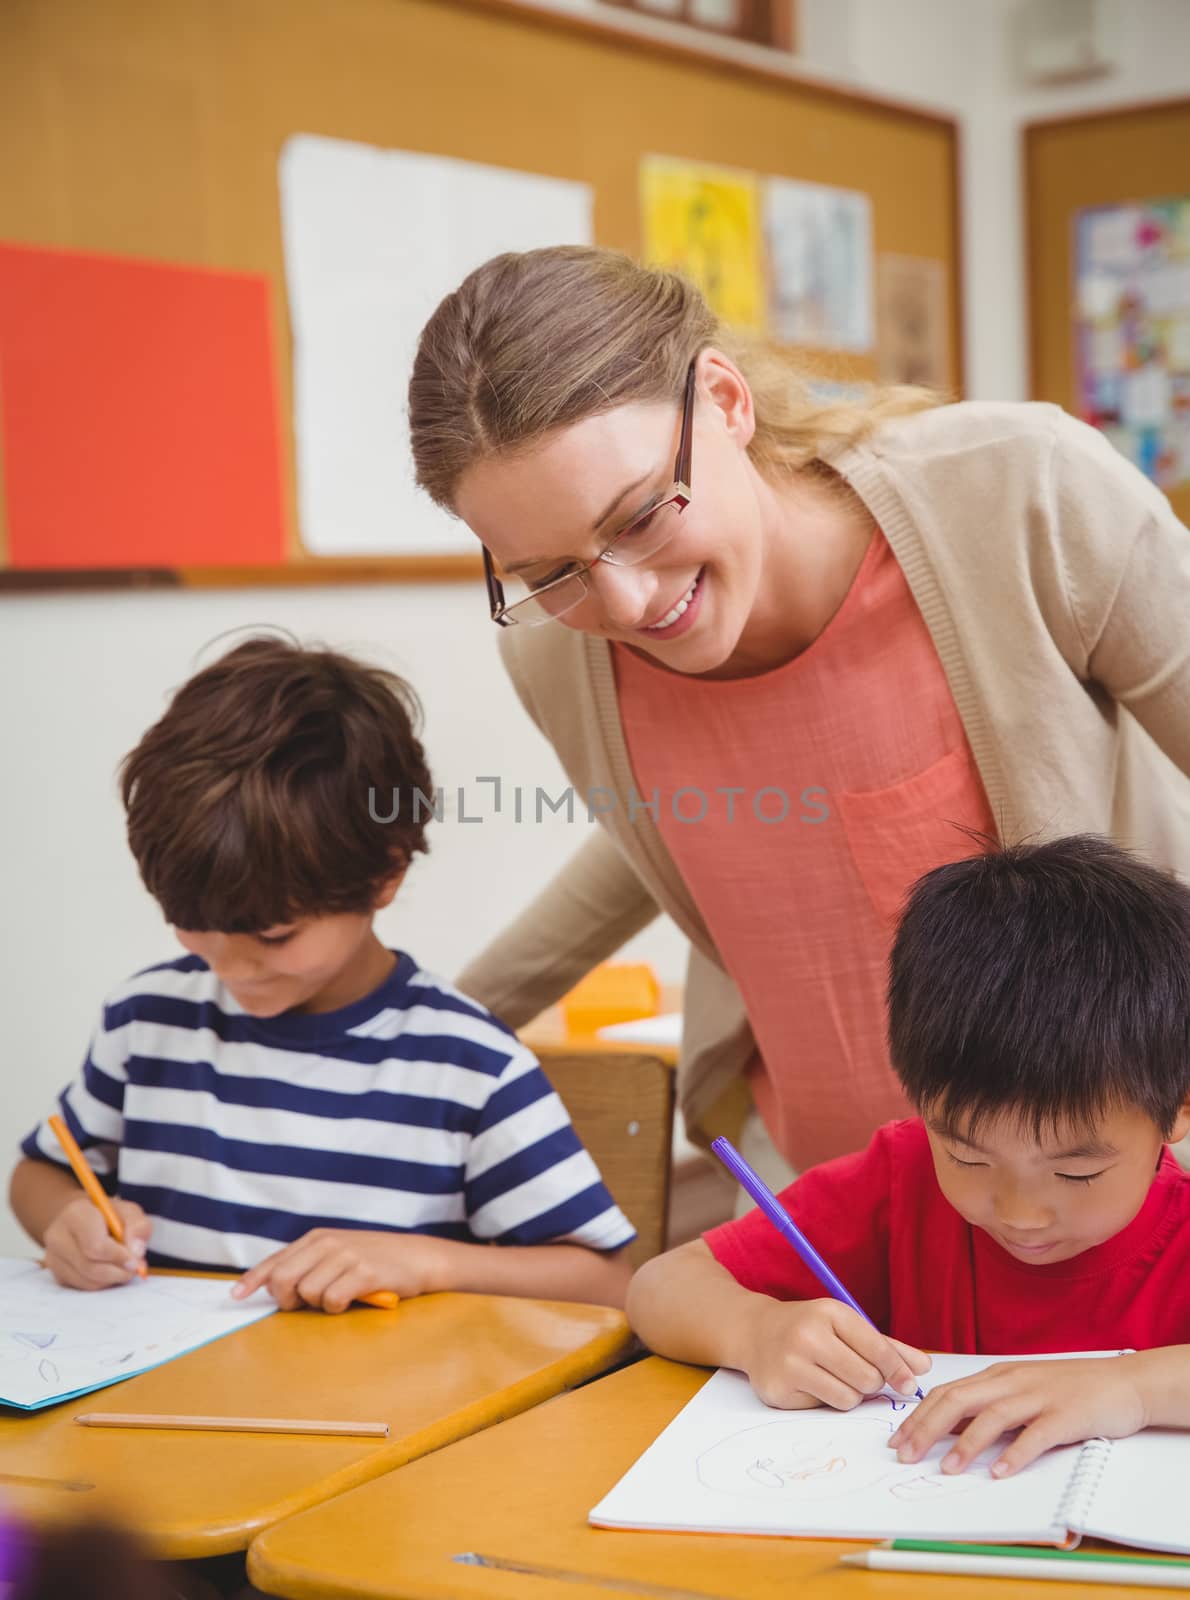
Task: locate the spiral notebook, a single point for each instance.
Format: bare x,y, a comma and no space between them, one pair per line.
727,1463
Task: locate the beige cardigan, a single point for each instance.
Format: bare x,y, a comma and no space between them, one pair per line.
1055,582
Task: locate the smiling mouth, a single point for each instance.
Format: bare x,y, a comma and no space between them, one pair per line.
679,610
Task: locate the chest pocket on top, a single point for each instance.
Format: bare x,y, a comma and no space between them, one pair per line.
897,834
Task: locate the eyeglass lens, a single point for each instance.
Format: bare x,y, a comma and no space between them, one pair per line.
635,544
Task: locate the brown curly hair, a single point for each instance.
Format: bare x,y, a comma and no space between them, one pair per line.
249,803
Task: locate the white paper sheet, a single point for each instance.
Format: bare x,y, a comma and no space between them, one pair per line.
730,1464
665,1029
56,1343
373,241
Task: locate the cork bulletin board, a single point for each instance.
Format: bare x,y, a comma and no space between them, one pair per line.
139,149
1127,169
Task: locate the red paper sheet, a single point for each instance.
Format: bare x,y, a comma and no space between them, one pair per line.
139,414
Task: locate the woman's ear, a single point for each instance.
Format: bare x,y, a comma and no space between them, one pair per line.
726,387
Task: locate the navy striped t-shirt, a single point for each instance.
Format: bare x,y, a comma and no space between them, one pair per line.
411,1110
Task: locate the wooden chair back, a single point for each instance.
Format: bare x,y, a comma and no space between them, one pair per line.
622,1105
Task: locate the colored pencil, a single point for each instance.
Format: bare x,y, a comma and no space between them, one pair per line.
949,1547
92,1187
122,1419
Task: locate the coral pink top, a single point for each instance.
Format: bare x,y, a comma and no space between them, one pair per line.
799,806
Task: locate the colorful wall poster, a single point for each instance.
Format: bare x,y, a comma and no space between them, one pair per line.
1132,331
819,256
705,222
912,321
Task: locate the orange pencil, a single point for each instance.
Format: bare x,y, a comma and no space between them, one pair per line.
92,1188
386,1299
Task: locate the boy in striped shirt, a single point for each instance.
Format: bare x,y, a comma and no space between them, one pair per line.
292,1098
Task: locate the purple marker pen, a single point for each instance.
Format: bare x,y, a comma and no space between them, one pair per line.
767,1202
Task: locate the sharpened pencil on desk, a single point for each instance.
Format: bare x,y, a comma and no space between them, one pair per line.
92,1187
129,1419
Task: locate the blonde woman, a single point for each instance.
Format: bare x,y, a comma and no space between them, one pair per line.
793,653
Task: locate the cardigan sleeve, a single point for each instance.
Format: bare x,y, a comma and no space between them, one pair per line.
1127,568
593,906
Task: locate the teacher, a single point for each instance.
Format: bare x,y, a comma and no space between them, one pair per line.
792,652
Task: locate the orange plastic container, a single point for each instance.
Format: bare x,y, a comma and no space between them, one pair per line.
616,991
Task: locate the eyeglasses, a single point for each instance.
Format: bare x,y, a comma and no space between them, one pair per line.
562,589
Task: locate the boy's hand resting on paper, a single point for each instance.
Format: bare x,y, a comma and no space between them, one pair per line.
82,1254
821,1352
331,1267
1051,1402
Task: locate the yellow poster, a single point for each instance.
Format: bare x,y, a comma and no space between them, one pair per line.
705,222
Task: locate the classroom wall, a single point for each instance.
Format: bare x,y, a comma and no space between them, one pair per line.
81,675
962,57
958,57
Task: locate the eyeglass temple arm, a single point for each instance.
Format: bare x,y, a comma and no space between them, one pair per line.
495,590
686,442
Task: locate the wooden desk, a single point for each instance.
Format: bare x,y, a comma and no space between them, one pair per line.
435,1369
521,1493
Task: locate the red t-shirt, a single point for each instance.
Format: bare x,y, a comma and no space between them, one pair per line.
925,1276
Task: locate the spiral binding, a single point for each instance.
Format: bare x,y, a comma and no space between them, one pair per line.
1078,1497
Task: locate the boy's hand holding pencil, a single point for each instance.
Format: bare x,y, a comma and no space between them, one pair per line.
810,1352
82,1254
821,1352
94,1242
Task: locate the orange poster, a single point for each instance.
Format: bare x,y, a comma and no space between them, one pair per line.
138,414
